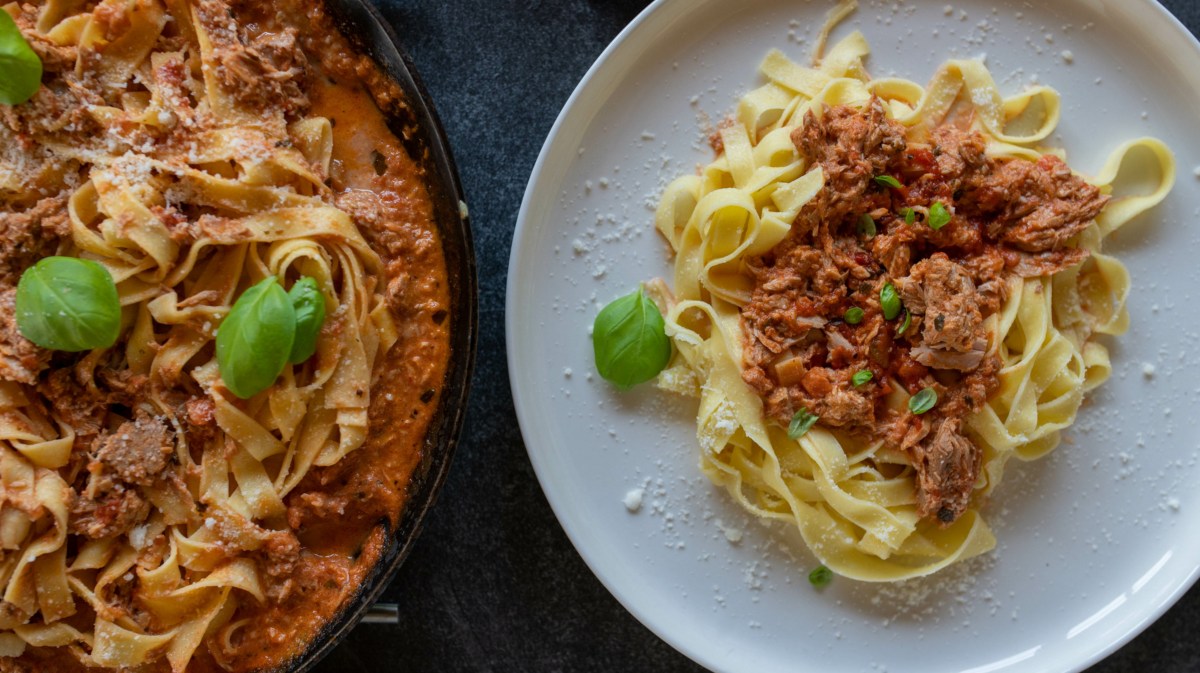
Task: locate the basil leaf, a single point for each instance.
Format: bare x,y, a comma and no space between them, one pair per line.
820,577
861,377
889,301
801,423
904,325
68,304
887,181
866,226
20,68
923,401
255,339
938,216
909,214
309,304
853,315
630,340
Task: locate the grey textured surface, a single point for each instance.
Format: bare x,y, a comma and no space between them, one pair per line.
494,584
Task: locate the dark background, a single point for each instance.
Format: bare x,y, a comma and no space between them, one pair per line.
493,584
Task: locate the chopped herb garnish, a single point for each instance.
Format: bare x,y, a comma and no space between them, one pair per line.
922,401
866,226
904,325
909,214
861,377
889,301
801,423
888,181
938,216
820,577
853,315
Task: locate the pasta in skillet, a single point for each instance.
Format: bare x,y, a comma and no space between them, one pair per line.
152,518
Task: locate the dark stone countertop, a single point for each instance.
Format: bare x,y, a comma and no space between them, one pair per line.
493,583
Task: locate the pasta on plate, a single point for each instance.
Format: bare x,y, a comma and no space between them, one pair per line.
151,518
908,268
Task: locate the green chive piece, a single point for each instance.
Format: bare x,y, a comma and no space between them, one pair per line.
889,301
820,577
922,401
861,377
938,216
853,315
888,181
866,226
801,423
904,325
909,214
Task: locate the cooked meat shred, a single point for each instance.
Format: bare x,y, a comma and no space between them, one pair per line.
1009,218
852,147
123,463
137,452
109,513
947,467
943,293
74,403
267,70
1037,206
20,359
29,235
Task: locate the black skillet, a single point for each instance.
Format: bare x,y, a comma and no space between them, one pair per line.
418,127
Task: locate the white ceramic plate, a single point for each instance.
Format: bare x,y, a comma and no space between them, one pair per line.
1094,542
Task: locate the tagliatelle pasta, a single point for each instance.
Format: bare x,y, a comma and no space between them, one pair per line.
853,495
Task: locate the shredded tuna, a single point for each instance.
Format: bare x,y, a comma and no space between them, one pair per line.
947,468
1009,218
1036,206
944,294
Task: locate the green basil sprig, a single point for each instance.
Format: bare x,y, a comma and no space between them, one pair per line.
630,340
309,304
68,304
20,67
255,339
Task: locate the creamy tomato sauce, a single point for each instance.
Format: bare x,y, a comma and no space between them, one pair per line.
343,514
